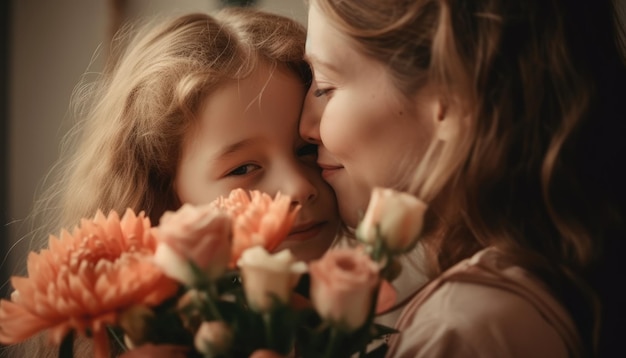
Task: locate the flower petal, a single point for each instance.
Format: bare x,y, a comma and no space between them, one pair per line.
84,279
17,323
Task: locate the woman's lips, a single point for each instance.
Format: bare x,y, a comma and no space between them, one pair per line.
328,170
305,231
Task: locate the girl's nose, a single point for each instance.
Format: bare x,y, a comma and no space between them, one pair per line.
297,185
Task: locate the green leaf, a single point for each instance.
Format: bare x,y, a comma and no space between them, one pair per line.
303,285
378,352
313,339
230,281
381,330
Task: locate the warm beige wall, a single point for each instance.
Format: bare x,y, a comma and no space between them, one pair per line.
295,9
53,43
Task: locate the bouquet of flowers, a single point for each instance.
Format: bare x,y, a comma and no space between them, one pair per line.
205,282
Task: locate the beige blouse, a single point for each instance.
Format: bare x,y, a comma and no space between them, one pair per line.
485,307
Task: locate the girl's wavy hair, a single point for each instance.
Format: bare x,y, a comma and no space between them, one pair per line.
533,85
124,149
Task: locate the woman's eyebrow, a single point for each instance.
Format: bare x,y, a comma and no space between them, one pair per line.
313,60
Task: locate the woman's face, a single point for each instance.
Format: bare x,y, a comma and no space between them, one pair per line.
247,137
369,133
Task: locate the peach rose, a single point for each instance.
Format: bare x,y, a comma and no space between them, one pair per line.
395,217
342,286
200,234
213,338
268,275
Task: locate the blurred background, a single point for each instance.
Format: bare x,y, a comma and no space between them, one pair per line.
46,47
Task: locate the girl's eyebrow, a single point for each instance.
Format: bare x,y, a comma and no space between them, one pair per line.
234,147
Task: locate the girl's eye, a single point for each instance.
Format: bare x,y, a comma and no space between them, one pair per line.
307,152
322,92
243,170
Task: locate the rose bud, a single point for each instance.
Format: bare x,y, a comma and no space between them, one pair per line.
213,338
267,277
200,234
395,217
342,286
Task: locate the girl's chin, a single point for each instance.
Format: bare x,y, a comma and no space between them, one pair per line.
306,251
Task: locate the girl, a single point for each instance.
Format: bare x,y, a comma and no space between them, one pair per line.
488,110
195,107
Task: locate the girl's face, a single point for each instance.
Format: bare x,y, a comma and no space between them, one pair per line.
247,137
369,133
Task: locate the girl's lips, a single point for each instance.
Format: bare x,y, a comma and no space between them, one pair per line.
305,231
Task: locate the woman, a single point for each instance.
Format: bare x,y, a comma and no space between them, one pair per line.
490,111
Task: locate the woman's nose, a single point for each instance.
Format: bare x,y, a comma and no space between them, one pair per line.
311,115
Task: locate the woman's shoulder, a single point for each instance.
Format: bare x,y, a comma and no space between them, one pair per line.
484,306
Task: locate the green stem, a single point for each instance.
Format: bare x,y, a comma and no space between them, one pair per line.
371,315
334,337
379,249
269,331
209,302
363,351
117,339
66,350
213,310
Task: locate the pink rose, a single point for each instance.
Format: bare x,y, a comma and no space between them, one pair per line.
395,217
213,338
342,286
268,275
200,234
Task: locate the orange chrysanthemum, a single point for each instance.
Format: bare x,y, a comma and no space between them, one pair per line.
84,279
257,219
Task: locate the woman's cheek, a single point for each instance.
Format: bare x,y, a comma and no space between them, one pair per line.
327,134
338,131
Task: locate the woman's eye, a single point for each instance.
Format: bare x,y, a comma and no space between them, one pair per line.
308,151
243,170
322,92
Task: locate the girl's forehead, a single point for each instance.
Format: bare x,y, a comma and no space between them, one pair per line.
265,105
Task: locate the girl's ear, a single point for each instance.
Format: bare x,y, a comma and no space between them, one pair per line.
447,121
